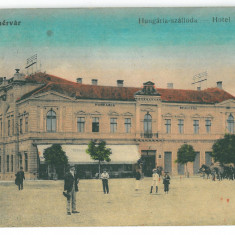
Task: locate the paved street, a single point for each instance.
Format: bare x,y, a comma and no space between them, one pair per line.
193,201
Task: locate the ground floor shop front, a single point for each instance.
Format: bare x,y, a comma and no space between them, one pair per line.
124,159
122,164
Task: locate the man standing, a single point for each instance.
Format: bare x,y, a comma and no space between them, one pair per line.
20,178
105,177
138,178
155,179
166,182
71,186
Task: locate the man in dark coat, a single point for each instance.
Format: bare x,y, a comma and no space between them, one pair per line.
138,178
166,182
105,177
20,178
70,189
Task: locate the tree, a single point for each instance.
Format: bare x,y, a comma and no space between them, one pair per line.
186,154
223,150
99,152
56,158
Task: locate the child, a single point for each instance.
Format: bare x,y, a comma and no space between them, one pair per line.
155,179
166,182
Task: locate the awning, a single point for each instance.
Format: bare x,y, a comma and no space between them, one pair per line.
121,154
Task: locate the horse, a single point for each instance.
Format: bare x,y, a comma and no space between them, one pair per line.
228,172
205,170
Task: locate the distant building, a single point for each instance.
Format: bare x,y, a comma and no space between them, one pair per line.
41,109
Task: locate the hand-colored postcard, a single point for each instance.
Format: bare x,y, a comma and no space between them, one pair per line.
117,117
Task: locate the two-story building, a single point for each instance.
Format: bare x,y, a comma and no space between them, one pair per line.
39,110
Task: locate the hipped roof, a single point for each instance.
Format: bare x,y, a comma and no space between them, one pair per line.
84,91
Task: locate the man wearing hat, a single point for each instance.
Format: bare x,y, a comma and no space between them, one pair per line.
20,178
155,180
105,177
166,182
71,186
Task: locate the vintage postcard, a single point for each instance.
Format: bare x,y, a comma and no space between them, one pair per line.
117,117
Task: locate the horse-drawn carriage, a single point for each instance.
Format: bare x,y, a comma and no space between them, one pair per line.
217,171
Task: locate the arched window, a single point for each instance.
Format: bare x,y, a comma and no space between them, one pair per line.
51,121
147,124
230,124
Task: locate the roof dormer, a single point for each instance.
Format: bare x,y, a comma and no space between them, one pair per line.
148,89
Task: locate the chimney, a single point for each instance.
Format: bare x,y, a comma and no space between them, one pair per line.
170,85
219,85
120,83
198,88
79,80
18,75
94,82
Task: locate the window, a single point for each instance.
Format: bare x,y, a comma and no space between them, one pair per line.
0,164
81,124
128,125
8,163
208,126
51,121
26,124
147,124
8,127
12,164
95,124
230,123
168,126
181,126
113,125
196,126
127,167
26,161
21,124
20,159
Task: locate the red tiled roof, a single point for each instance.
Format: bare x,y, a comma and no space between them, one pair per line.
210,95
84,91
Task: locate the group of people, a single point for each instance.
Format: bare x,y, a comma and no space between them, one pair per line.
71,181
156,178
155,181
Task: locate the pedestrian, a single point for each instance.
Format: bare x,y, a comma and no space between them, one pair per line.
137,177
155,180
70,189
20,178
166,182
105,177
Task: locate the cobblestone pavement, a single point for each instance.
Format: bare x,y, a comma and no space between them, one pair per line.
193,201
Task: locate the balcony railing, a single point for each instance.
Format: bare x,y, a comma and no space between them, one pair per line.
149,135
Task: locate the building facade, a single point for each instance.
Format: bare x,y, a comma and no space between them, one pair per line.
41,109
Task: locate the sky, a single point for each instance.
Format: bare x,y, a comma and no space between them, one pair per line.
123,43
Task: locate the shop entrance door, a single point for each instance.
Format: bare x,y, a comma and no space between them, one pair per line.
168,162
196,163
180,169
149,161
